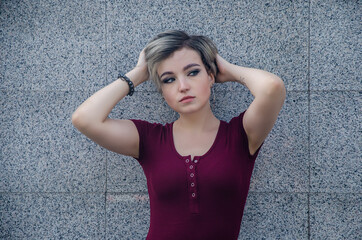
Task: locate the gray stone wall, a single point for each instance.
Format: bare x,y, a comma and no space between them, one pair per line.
57,184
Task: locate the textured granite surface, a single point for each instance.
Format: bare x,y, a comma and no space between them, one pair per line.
128,216
41,149
335,216
124,174
282,164
52,216
336,142
54,44
270,35
335,45
275,216
17,43
57,184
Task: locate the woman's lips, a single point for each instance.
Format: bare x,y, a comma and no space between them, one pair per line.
187,99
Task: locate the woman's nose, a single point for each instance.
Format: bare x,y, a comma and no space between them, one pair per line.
183,85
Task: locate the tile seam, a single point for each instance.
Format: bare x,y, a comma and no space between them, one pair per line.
106,153
146,192
309,115
148,91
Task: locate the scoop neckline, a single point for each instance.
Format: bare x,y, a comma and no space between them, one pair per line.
195,157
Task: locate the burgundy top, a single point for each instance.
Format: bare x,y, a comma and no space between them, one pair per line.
199,199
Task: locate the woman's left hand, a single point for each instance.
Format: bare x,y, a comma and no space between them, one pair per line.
224,73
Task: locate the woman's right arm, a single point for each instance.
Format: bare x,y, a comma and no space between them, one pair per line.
91,117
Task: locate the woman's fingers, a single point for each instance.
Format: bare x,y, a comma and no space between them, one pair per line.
142,59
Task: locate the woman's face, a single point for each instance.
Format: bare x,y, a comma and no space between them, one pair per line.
185,83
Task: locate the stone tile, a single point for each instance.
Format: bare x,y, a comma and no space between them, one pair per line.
65,49
2,57
43,152
335,216
282,164
335,45
13,107
275,216
272,36
52,216
18,43
128,216
125,174
145,105
336,142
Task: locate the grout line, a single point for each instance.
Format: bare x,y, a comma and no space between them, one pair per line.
106,153
309,122
54,193
155,91
146,192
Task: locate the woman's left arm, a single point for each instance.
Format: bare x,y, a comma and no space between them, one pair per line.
269,95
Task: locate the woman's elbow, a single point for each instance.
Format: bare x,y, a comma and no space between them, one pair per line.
78,120
277,88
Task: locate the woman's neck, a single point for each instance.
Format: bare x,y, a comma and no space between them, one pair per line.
203,120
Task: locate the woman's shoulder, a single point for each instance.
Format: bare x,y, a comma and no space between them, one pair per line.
237,119
146,125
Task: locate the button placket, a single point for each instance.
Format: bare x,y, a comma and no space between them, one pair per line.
191,173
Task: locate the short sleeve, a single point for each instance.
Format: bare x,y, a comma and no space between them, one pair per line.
237,124
142,128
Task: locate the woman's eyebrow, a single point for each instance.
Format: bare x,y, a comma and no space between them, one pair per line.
165,73
190,65
185,68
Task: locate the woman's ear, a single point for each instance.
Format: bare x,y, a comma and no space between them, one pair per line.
212,79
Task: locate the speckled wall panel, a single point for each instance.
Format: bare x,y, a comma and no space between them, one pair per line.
283,161
54,44
52,216
128,216
283,164
335,216
336,142
55,183
275,216
272,35
42,151
335,45
73,48
18,43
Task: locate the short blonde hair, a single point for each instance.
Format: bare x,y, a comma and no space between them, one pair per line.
165,43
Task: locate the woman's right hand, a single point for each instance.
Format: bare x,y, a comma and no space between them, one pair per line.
141,68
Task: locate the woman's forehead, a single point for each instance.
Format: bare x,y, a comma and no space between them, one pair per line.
179,59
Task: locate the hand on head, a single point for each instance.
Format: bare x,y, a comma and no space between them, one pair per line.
142,67
222,66
142,59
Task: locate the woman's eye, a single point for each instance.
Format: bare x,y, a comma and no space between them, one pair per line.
194,73
168,80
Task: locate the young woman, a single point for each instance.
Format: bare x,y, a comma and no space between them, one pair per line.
198,168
